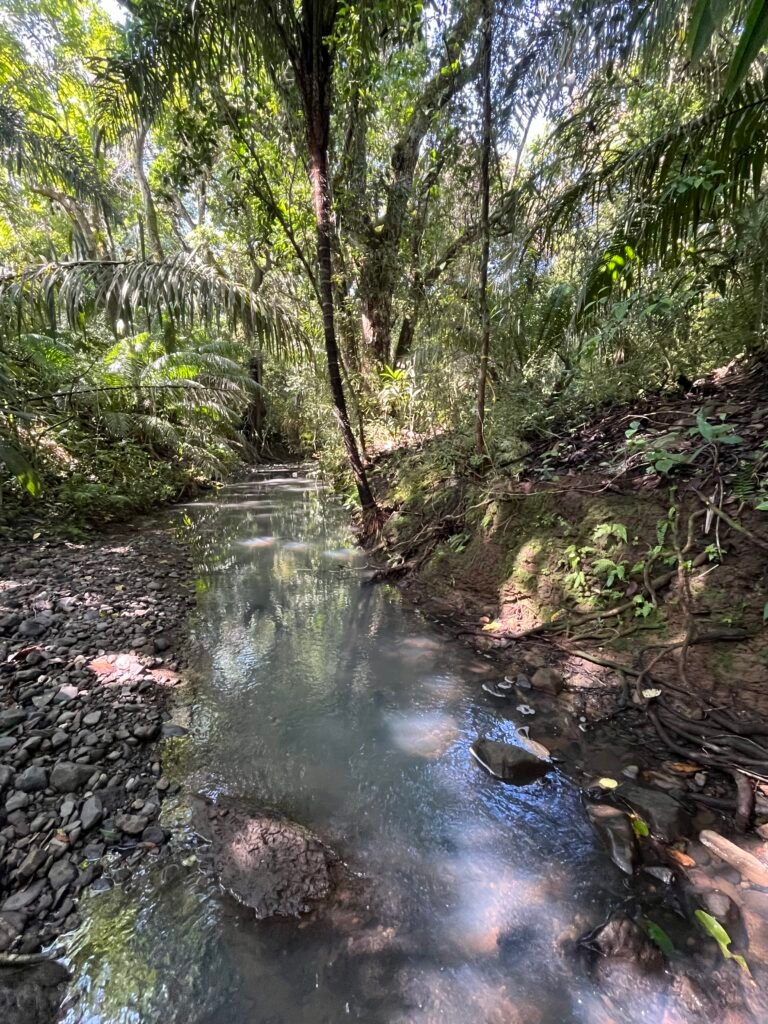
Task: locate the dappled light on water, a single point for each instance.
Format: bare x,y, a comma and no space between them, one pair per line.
324,699
423,735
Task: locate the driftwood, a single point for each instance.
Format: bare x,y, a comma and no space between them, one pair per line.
745,863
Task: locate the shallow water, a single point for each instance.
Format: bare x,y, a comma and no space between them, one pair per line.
327,699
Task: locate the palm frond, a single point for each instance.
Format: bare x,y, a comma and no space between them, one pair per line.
705,168
48,157
189,291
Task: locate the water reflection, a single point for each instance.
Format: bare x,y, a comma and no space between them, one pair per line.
326,699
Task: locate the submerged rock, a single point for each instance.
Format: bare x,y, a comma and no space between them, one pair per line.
616,832
31,991
665,816
622,939
270,864
509,763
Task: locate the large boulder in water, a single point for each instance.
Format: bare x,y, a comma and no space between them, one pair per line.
509,763
268,863
31,990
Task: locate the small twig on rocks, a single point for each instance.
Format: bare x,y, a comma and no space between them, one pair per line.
734,525
745,801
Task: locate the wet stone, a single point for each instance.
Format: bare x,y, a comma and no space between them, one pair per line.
62,873
21,900
91,813
32,863
665,817
170,729
11,926
616,832
272,865
509,763
131,824
621,938
154,834
33,628
16,801
146,730
11,718
31,993
548,681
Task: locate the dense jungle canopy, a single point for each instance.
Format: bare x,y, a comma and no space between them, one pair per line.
232,229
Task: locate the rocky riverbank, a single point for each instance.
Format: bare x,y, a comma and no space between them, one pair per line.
91,642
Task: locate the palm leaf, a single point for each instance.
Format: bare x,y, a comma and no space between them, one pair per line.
752,40
47,156
190,291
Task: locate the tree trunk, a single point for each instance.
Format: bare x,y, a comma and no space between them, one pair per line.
316,100
377,287
485,225
318,173
147,200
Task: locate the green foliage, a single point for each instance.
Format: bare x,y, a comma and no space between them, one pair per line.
658,936
157,238
713,927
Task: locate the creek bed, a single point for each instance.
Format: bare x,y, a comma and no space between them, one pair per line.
330,701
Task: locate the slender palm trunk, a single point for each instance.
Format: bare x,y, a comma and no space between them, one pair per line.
485,227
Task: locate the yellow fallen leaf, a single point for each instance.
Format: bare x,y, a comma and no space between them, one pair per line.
492,627
682,767
648,694
607,783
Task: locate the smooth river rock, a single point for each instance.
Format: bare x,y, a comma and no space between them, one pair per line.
666,818
32,780
509,763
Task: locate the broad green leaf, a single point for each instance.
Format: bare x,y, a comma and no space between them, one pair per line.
752,40
640,827
21,468
658,936
713,927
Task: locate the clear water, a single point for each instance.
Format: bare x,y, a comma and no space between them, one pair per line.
326,698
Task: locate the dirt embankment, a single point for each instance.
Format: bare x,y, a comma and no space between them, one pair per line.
618,575
91,641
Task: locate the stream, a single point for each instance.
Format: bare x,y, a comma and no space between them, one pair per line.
330,700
